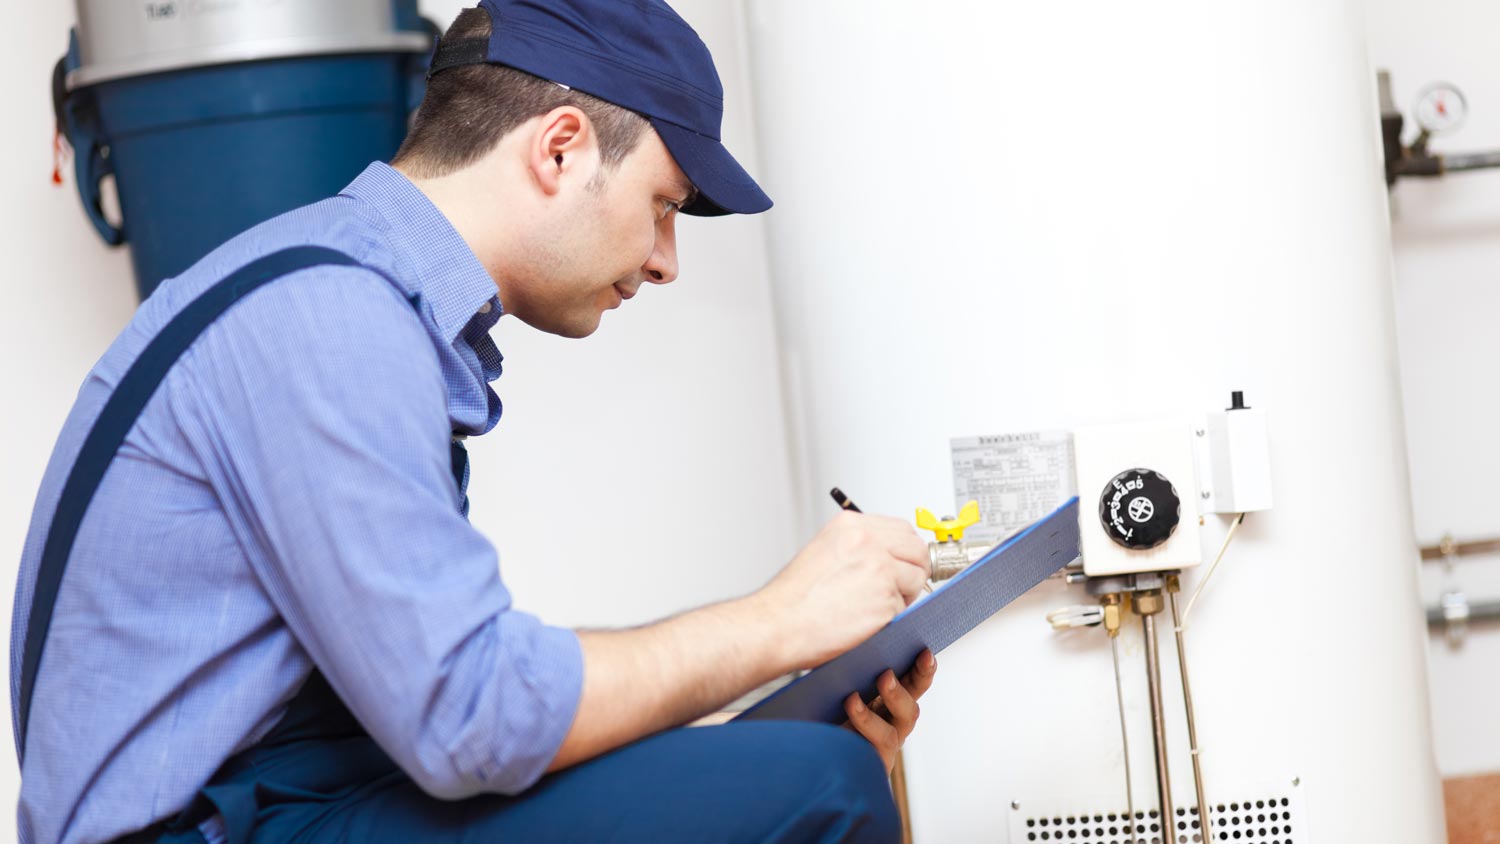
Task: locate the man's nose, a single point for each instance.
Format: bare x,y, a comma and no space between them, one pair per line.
661,267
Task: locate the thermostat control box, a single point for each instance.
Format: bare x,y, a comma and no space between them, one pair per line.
1123,501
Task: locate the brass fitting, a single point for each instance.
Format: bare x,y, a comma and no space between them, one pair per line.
1114,611
1447,547
1149,602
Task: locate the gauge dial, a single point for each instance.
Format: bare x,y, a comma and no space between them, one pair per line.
1441,107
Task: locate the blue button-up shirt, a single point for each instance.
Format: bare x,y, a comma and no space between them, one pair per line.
286,502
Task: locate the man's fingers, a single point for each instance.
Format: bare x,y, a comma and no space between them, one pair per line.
903,541
910,580
911,548
871,724
919,679
874,728
899,703
916,681
890,719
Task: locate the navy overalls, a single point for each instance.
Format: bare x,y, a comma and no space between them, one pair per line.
319,777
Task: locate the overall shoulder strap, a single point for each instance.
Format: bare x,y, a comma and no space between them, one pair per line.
115,421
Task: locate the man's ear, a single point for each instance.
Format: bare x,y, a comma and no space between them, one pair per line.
563,147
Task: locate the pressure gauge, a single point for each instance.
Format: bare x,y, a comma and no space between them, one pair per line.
1440,108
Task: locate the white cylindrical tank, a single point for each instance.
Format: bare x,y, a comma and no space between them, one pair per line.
1000,217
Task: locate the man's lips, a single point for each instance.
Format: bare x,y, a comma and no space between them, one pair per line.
625,292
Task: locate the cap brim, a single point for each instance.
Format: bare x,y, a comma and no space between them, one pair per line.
723,185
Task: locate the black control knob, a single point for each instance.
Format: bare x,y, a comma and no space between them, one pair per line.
1139,509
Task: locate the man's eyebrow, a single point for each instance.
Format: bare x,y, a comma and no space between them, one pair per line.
689,192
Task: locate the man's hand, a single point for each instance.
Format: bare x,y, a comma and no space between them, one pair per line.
889,719
848,582
852,579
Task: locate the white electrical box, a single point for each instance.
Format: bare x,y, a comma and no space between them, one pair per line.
1114,509
1234,462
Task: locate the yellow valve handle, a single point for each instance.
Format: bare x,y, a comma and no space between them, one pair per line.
949,529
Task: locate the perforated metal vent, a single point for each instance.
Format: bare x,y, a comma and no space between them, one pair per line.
1263,819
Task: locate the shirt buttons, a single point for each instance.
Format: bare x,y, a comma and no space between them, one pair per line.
486,308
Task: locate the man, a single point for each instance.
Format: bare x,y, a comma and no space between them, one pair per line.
276,624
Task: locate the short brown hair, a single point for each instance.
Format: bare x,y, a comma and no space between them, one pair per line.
469,108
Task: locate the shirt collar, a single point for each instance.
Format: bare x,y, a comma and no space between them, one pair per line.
432,257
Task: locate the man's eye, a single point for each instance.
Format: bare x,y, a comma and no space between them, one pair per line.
668,208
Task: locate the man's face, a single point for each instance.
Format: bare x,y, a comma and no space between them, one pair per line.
611,234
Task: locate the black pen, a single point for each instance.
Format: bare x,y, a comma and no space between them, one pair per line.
843,500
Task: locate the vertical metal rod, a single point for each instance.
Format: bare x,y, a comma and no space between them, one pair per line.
1187,699
1114,649
1159,729
898,791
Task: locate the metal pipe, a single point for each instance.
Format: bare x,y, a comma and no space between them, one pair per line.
898,792
1487,611
1158,723
1428,166
1114,649
1470,161
1448,548
1187,699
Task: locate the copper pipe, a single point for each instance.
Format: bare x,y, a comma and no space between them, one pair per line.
898,790
1192,724
1158,727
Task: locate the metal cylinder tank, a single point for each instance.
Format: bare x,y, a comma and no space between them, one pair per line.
117,40
1000,217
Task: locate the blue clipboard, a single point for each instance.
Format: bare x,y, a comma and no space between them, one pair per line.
1006,573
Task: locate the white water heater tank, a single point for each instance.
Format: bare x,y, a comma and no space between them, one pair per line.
1002,217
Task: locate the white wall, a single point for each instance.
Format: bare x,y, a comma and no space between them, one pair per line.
634,474
1446,238
67,296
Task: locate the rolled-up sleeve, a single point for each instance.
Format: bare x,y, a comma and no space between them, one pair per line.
330,438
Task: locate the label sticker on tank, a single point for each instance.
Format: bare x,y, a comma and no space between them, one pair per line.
1016,478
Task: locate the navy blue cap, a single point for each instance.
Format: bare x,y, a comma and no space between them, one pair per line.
638,54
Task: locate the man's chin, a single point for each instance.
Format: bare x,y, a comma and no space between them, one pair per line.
573,330
579,332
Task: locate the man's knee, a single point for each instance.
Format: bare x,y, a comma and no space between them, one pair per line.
836,784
